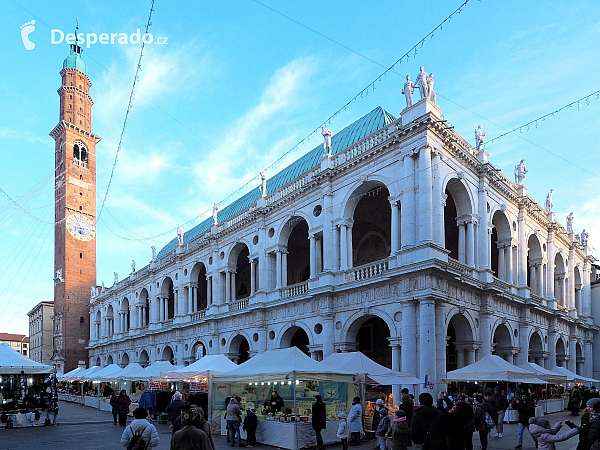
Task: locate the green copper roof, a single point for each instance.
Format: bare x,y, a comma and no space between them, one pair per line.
75,62
363,127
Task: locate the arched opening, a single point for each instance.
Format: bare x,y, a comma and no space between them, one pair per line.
459,224
168,299
298,248
561,354
242,275
125,316
110,321
167,355
200,290
560,280
371,335
109,360
371,231
239,349
98,361
198,351
460,349
534,263
579,359
536,350
144,301
501,247
144,358
124,360
76,152
98,325
577,286
502,344
296,337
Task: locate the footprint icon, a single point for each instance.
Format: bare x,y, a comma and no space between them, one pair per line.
26,30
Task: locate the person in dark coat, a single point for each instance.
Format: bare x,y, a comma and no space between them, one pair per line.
479,421
376,416
123,401
460,420
500,403
429,425
574,401
319,419
526,409
399,431
114,402
250,424
407,406
275,403
189,437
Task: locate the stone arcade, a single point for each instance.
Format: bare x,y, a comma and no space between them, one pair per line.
403,242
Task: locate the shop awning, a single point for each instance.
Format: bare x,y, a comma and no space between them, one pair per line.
284,365
87,375
493,368
105,372
572,376
544,374
151,372
129,368
202,368
368,370
13,362
72,374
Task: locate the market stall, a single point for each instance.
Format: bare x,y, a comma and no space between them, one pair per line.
492,368
573,377
549,405
296,378
27,391
370,373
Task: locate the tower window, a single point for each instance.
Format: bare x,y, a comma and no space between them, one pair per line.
70,97
82,319
70,106
81,255
81,177
80,209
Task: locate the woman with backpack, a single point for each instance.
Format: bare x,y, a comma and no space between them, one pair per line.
482,420
140,434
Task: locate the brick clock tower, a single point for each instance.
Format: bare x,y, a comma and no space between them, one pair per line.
75,213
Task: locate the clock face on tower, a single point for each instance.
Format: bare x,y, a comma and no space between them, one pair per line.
81,227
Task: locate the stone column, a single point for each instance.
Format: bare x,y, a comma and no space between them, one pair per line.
587,351
395,235
425,196
284,267
539,279
523,355
509,264
349,243
550,247
209,291
485,332
328,331
233,287
572,364
471,242
571,291
320,255
328,244
312,256
409,338
461,242
264,261
189,299
343,246
587,292
427,347
552,350
522,258
460,357
483,237
470,355
336,247
395,346
278,269
227,286
438,203
501,264
409,213
252,276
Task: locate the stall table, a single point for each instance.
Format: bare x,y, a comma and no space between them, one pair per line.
283,434
552,405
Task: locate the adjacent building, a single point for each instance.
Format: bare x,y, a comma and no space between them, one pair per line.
405,242
19,342
41,337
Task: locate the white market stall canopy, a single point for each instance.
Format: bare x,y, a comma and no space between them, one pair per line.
493,368
283,365
72,374
151,372
544,374
129,368
105,372
210,364
368,370
12,362
572,376
87,374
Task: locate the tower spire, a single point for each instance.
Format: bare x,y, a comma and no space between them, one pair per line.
75,47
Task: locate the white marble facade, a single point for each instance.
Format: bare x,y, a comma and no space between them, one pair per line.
410,231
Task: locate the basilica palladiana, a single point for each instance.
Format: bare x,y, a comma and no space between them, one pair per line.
397,238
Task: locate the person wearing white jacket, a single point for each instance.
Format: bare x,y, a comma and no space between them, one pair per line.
149,433
547,435
355,420
343,431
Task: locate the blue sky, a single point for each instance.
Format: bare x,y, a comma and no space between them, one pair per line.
238,85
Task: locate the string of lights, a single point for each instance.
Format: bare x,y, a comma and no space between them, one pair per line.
129,106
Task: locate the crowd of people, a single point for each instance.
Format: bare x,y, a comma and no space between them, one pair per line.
450,424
